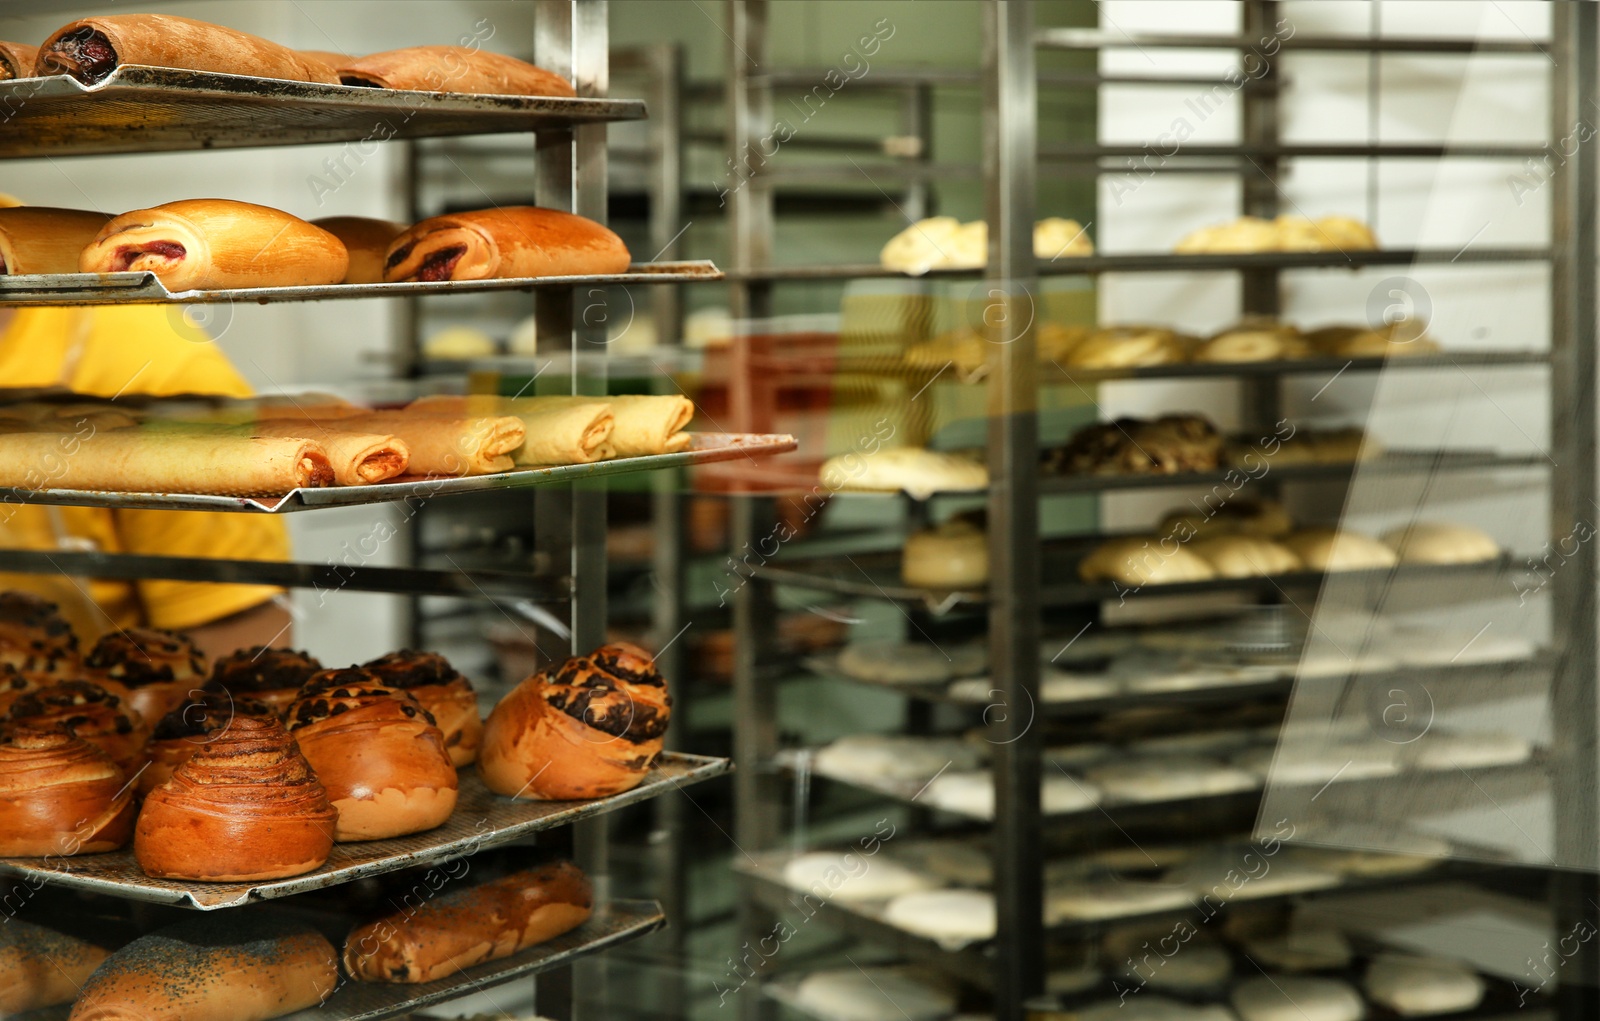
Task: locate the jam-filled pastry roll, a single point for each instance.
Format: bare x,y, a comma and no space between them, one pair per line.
437,686
92,713
358,458
377,751
41,967
461,928
187,728
244,965
588,729
89,49
452,69
512,241
367,241
246,806
273,676
37,239
17,60
151,670
59,795
212,244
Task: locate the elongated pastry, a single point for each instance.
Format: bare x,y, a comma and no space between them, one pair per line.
329,57
448,446
37,239
462,928
556,430
367,241
452,69
379,754
59,795
149,669
40,967
90,712
190,726
273,676
228,966
132,461
245,806
440,689
588,729
213,244
17,60
512,241
358,458
89,49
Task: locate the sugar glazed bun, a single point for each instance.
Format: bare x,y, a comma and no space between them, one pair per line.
40,967
589,729
273,676
377,751
245,806
430,679
190,726
59,795
149,669
90,712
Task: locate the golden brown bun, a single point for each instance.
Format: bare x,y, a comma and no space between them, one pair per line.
34,626
17,60
367,241
378,753
467,927
190,726
329,57
588,729
453,69
151,670
1245,556
1143,560
273,676
13,685
245,806
212,244
512,241
1167,445
37,239
40,967
89,49
430,679
1328,549
90,712
951,555
230,966
60,795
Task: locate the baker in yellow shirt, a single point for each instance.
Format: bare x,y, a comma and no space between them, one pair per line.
148,349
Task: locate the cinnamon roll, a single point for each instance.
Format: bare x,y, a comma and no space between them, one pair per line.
59,795
430,679
273,676
192,725
149,669
377,751
245,806
589,729
90,712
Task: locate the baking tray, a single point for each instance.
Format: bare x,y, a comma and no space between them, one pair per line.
144,288
158,109
705,448
481,820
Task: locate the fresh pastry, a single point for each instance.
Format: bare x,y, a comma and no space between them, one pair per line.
510,241
230,966
588,729
436,685
1284,234
215,244
17,60
378,753
34,637
152,671
36,239
1264,518
461,928
452,69
134,461
1402,338
1245,556
1438,542
951,555
1246,234
1414,986
1328,549
273,676
40,967
939,242
1140,561
366,240
1296,998
445,445
89,49
578,430
918,472
951,918
357,458
1253,340
1164,446
90,712
1128,347
1056,238
185,729
59,795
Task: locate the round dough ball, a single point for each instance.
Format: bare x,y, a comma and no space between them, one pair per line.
1143,561
1328,549
1438,542
1245,556
951,555
872,994
951,918
1297,998
1416,986
912,469
847,876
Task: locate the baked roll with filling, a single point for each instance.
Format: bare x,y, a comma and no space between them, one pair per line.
37,239
245,806
89,49
588,729
367,242
17,60
151,670
440,689
452,69
273,676
40,967
215,244
377,751
512,241
90,712
189,727
59,795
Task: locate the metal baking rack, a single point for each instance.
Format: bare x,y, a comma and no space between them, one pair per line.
481,820
708,448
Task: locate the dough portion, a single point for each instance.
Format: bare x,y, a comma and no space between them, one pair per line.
1128,347
918,472
1297,998
1328,549
1416,986
871,994
1302,950
1144,561
864,758
1439,542
1193,969
1103,899
1244,556
951,918
972,793
1169,778
951,555
1436,751
1264,518
910,662
1284,234
848,876
1253,340
1135,446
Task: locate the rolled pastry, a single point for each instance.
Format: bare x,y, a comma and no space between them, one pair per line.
367,241
557,430
17,60
358,458
40,967
36,239
470,445
452,69
86,710
649,424
209,244
59,795
89,49
131,461
512,241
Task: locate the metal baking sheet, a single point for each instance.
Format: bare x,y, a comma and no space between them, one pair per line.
157,109
481,820
1393,462
705,448
146,289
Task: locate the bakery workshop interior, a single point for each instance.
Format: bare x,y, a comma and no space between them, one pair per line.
848,510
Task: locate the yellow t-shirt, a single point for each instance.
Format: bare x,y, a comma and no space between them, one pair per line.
105,351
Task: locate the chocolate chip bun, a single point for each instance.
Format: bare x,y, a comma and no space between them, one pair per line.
436,685
35,638
149,669
92,713
273,676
